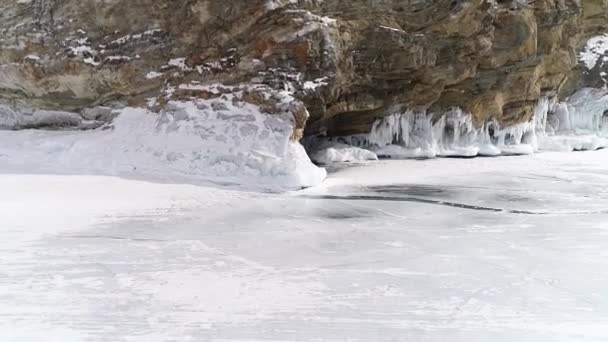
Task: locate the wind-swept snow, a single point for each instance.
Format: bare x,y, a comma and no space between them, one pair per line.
460,250
219,140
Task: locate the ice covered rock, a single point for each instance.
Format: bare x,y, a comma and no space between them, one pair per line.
247,136
16,119
105,114
579,123
416,135
8,118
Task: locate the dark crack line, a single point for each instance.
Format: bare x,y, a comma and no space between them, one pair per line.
448,204
108,237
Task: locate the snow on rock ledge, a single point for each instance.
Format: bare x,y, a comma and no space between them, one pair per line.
233,136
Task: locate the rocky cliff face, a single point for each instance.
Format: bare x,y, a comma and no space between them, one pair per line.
349,62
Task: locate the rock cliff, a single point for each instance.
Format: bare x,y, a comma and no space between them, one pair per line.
349,62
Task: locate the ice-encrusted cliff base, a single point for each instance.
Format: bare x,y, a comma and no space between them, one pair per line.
579,123
234,138
228,139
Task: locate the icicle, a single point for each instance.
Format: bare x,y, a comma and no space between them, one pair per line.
580,123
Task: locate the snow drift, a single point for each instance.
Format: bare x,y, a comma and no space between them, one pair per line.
222,139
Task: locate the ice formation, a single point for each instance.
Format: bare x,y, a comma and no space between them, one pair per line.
415,135
580,123
341,153
12,119
220,140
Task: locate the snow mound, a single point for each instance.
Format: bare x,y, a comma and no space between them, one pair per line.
341,153
220,140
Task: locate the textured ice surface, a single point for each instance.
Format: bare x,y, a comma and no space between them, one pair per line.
207,140
472,250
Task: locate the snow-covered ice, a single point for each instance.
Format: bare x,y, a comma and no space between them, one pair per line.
501,249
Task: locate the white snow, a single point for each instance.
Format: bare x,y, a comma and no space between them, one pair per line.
392,29
314,85
111,59
218,140
390,251
83,50
90,61
340,153
32,57
153,74
309,23
595,49
272,5
180,63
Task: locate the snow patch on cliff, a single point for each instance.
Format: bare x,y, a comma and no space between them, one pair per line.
595,48
272,5
309,23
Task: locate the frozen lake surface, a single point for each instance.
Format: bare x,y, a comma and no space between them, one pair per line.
487,249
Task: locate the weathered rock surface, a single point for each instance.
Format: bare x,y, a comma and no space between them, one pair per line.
350,62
